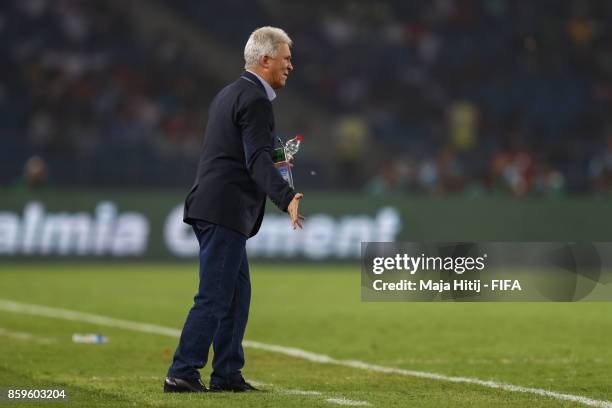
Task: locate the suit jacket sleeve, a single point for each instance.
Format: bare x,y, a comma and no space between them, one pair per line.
256,123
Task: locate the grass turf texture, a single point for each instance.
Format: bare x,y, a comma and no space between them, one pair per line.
564,347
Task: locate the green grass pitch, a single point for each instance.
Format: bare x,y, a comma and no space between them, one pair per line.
563,347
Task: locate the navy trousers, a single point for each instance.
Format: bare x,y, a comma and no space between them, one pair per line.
220,310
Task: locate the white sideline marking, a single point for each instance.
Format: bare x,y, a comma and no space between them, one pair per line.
25,336
344,401
332,400
323,359
36,310
299,392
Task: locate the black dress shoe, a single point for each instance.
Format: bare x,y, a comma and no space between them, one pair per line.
172,384
241,386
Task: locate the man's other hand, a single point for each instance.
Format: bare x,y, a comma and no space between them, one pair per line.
292,209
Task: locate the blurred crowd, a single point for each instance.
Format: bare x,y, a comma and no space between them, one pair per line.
99,103
440,96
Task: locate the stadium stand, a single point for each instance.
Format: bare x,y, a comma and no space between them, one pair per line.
442,97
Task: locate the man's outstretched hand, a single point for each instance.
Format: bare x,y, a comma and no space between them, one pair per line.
292,209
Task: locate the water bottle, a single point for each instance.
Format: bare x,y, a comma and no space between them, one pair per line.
292,146
284,154
92,338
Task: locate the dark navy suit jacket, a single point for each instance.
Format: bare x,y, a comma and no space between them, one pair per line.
236,172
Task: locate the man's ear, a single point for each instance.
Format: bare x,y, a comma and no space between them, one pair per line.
265,61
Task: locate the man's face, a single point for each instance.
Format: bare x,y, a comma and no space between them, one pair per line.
280,66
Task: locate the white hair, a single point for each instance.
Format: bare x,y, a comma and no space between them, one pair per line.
264,41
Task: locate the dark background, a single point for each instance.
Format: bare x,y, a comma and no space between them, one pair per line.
423,97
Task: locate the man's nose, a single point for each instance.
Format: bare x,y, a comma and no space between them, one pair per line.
290,67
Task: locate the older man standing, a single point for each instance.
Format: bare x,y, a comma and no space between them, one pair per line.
225,207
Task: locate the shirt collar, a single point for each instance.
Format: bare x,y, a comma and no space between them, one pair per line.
269,91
